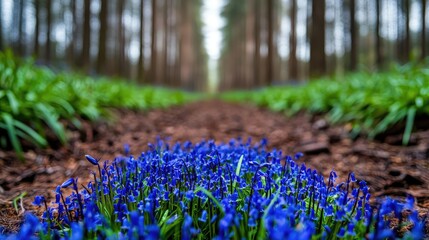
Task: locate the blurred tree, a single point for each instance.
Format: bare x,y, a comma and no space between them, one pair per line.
407,49
257,44
153,52
353,36
86,39
378,47
165,43
36,27
140,66
270,32
317,39
48,31
423,29
1,26
120,41
102,37
71,48
293,62
21,20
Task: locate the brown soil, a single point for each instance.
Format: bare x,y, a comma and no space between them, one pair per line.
389,169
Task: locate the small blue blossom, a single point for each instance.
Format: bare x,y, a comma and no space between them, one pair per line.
67,183
91,159
38,201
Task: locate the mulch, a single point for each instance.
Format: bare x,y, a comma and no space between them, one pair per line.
389,168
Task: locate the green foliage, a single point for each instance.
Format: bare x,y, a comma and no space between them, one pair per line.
34,101
371,102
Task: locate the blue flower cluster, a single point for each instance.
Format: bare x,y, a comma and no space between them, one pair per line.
206,191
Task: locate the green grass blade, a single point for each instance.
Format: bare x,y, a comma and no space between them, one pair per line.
209,195
13,102
51,120
34,136
10,128
237,170
409,125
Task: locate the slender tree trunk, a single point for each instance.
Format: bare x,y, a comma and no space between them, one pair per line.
48,31
36,27
293,62
102,37
423,33
86,40
21,28
165,47
270,43
120,60
317,39
71,47
407,46
153,53
1,27
140,68
257,32
353,36
378,48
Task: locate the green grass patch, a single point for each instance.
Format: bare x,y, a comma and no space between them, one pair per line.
35,100
371,102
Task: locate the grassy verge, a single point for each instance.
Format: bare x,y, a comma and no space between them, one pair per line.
371,102
34,100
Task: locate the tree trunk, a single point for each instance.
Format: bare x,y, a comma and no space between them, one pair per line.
423,33
102,38
186,48
378,50
86,40
36,28
270,44
153,52
407,47
140,67
1,27
71,47
21,28
165,45
317,39
120,51
48,31
257,32
293,62
353,36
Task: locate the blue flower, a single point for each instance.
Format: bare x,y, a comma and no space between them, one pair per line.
67,183
38,201
203,217
92,160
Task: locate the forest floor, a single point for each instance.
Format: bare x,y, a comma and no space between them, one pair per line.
389,168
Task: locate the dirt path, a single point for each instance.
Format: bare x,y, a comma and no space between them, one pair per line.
389,169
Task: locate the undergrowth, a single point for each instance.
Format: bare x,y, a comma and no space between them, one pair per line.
34,100
371,102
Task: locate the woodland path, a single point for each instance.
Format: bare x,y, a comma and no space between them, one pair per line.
389,169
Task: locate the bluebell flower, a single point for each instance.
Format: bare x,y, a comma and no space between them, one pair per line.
91,159
38,201
67,183
298,155
203,217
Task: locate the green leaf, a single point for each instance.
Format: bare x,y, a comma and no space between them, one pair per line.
51,120
409,125
14,105
237,171
209,195
10,128
35,137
